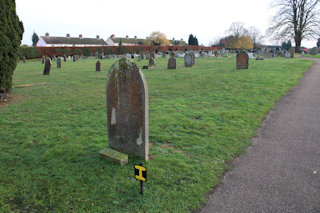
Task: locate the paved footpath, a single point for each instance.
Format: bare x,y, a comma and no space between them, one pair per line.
280,172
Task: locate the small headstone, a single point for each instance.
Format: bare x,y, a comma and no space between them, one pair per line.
127,109
153,55
242,60
74,58
43,59
164,55
314,51
47,67
259,58
64,58
188,61
58,62
287,54
69,57
145,67
139,58
98,66
292,52
147,55
18,59
142,55
24,59
250,55
172,63
152,63
54,57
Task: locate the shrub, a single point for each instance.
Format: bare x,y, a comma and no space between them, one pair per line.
28,52
11,30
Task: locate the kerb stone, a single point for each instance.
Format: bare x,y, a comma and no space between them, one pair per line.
114,156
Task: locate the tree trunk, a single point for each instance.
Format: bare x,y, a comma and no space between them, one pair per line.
297,40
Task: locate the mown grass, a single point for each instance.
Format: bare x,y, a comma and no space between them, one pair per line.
312,56
200,118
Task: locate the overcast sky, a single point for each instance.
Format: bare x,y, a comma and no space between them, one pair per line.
205,19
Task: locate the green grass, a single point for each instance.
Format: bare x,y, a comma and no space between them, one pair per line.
200,118
312,56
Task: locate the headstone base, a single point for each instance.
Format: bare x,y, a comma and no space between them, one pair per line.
114,156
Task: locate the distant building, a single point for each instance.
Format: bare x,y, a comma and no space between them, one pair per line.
52,41
126,41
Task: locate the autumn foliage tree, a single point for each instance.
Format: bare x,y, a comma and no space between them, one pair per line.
243,42
158,39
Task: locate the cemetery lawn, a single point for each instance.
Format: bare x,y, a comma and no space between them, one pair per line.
312,56
200,118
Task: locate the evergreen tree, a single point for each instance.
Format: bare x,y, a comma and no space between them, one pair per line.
120,43
35,39
11,31
191,39
195,41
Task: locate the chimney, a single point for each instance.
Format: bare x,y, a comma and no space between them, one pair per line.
98,37
181,39
47,34
112,36
135,37
127,36
172,39
80,36
68,35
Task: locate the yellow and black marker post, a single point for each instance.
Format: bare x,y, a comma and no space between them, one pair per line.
140,174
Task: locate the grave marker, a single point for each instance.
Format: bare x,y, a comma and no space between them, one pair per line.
242,60
172,63
47,67
58,62
127,109
188,61
98,66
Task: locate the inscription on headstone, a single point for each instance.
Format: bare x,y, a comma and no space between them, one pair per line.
47,67
242,60
127,108
188,61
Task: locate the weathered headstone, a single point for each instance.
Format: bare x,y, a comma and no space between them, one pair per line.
193,58
287,54
153,55
242,60
142,55
98,66
47,67
188,61
58,62
64,58
172,63
54,57
24,59
291,52
314,51
18,59
43,59
74,58
164,55
139,58
147,55
152,63
127,109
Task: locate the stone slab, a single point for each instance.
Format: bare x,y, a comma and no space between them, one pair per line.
114,156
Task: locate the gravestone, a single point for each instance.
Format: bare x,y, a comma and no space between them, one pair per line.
147,55
47,67
127,109
69,57
193,58
172,63
74,58
64,58
287,54
54,57
58,62
142,55
18,59
43,59
267,55
153,55
291,52
98,66
152,63
314,51
242,60
24,59
188,61
164,55
250,55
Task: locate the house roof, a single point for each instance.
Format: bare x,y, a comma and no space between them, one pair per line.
142,41
73,40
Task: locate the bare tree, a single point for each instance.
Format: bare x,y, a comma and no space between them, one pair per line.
237,29
295,19
255,35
